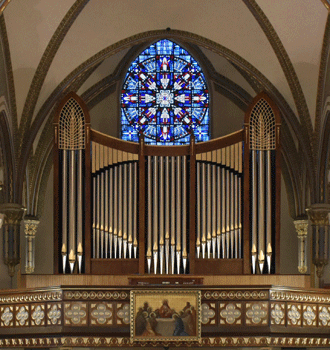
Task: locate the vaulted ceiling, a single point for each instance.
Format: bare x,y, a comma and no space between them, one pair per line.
52,47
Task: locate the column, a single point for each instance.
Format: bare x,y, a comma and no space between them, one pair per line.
30,229
319,217
14,214
301,228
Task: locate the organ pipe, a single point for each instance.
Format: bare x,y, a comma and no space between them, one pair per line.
155,214
198,198
178,218
79,211
167,214
149,215
64,210
173,214
184,211
161,215
72,216
135,242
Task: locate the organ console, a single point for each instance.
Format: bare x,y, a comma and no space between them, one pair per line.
132,208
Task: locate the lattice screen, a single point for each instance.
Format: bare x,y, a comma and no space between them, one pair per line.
262,127
72,126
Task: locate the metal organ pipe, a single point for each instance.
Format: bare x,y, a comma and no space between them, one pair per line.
130,209
111,195
173,214
198,198
155,215
120,204
161,215
184,215
72,216
149,214
167,214
106,202
64,210
178,217
79,211
135,242
269,211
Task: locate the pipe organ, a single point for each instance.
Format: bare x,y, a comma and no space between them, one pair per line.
131,208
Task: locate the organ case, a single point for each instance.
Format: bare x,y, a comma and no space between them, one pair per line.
203,208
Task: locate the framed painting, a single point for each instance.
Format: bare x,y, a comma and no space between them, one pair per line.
165,315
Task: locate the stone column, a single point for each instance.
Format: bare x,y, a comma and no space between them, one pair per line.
301,228
30,229
319,217
13,215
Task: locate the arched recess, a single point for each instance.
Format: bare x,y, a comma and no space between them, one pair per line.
81,73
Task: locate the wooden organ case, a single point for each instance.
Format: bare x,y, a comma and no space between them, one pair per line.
209,208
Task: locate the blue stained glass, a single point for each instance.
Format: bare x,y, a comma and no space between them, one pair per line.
165,97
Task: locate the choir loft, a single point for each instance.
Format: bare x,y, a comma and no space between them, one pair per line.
164,174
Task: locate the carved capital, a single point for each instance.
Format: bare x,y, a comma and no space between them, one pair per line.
319,214
13,212
30,227
301,227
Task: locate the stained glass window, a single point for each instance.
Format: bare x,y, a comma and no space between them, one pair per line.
165,97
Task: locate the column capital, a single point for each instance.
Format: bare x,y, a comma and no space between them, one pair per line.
13,212
30,226
301,227
318,214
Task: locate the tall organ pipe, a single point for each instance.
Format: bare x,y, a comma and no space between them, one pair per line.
64,210
173,214
184,214
203,210
155,215
72,213
130,209
149,201
209,211
178,217
79,211
198,197
254,211
135,243
161,215
167,215
125,212
269,212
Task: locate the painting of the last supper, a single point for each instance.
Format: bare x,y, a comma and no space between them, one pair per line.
159,315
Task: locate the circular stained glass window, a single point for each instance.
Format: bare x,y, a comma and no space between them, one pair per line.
165,97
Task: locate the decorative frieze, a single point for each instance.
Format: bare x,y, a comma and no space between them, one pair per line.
235,295
96,295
